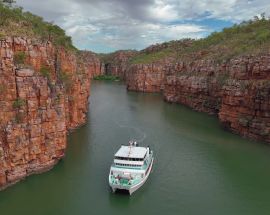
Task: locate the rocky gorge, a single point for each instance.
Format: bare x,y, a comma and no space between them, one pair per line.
45,85
44,94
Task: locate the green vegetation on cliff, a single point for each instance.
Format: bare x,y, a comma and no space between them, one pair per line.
16,22
19,58
112,57
249,37
153,56
107,78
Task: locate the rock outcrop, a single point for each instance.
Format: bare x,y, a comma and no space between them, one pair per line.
43,93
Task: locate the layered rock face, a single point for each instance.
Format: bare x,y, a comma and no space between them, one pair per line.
237,91
43,93
145,77
91,62
197,85
245,107
119,63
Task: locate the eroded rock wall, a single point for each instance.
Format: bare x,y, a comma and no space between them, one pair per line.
245,107
237,91
41,99
195,84
145,77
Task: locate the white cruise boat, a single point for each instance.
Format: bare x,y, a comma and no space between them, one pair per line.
131,167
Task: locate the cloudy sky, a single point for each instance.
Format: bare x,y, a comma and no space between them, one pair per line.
109,25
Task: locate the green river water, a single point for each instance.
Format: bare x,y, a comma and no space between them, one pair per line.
199,168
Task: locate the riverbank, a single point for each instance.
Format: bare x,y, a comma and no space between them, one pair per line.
106,78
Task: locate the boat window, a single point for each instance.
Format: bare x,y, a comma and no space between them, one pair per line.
130,159
131,165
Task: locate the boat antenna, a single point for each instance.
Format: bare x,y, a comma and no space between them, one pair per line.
130,145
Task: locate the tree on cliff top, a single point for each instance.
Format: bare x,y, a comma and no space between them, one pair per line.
9,2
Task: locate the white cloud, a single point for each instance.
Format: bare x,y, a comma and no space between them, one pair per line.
163,11
107,25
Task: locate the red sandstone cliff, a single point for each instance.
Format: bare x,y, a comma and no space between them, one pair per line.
41,98
145,77
117,63
237,91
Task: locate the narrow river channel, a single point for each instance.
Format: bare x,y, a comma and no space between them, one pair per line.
199,168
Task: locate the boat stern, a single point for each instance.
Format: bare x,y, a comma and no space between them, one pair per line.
124,181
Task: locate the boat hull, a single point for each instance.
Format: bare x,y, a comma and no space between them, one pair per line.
132,189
